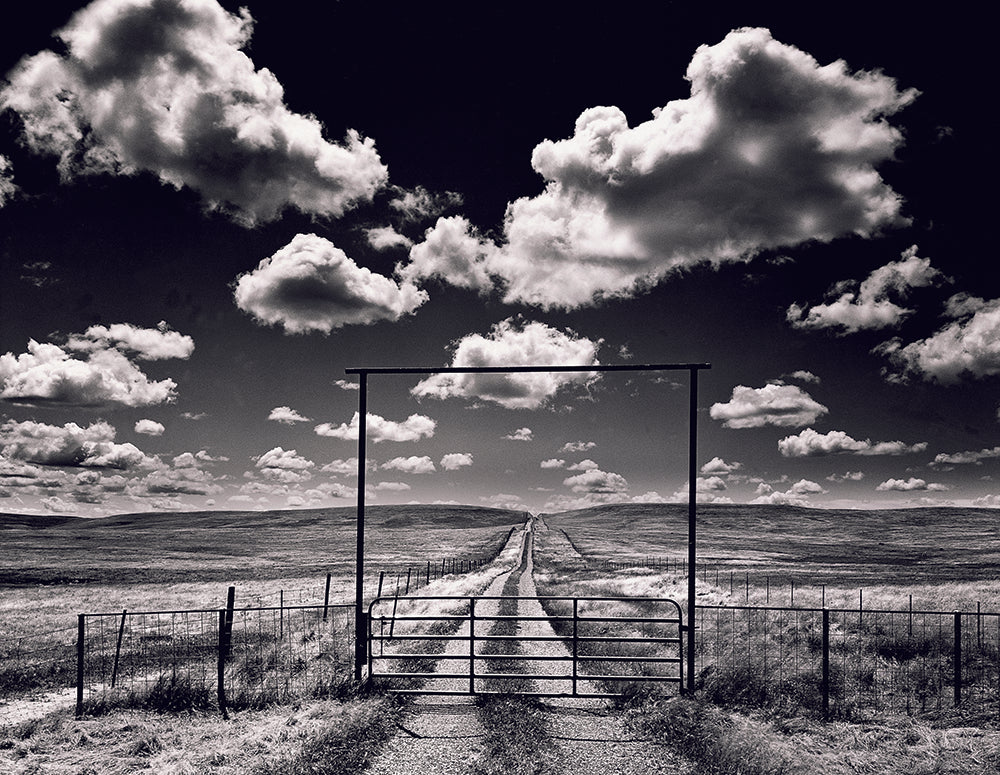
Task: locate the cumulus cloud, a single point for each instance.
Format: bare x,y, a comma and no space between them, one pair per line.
810,443
854,308
410,465
180,481
521,434
284,466
572,447
796,495
312,285
452,251
910,485
804,376
344,384
774,404
455,460
707,489
771,149
967,346
594,480
584,465
553,463
413,428
286,416
149,428
162,86
514,343
717,466
970,457
386,238
92,369
70,445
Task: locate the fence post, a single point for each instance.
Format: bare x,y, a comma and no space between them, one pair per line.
407,590
118,650
281,613
326,598
381,577
958,658
428,571
80,634
230,605
221,664
826,663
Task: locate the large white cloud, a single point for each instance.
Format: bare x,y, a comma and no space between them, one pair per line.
91,369
810,443
773,404
452,461
967,346
149,427
452,251
312,285
513,343
413,428
771,149
70,445
869,305
162,86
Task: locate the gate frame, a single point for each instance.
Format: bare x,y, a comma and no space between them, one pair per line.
360,657
575,677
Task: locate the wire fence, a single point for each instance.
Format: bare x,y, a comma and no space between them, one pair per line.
226,658
840,662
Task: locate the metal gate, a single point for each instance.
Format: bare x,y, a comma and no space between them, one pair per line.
565,647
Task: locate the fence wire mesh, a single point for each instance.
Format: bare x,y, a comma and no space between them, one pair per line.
856,660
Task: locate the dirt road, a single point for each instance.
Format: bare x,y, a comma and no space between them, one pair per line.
584,736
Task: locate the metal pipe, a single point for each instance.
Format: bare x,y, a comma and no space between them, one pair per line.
359,566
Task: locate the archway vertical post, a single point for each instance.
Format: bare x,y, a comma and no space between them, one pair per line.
692,522
360,625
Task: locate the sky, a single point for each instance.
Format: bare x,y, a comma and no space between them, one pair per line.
209,212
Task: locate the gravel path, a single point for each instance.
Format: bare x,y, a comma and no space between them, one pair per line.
444,735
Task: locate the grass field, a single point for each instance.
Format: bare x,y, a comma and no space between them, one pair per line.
51,569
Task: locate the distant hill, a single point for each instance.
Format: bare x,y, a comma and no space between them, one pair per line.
382,516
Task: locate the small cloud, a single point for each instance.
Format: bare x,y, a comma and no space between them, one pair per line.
584,465
286,416
455,460
284,466
575,447
910,485
521,434
804,376
809,443
850,476
149,428
413,428
387,238
410,465
718,466
553,463
970,457
345,384
594,480
418,203
392,486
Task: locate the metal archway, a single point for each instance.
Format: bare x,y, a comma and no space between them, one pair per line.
360,656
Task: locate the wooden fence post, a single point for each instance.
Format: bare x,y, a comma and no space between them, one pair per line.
81,625
221,663
118,650
326,598
230,605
